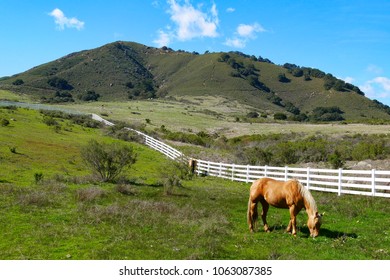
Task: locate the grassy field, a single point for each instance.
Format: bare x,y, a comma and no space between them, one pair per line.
206,113
213,115
67,215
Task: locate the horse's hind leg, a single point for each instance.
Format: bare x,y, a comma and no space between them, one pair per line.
264,214
252,215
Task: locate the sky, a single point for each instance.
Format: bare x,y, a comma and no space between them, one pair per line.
349,39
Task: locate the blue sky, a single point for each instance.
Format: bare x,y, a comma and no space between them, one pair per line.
349,39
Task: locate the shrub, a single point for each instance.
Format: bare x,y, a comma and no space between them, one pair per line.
107,160
18,82
172,175
4,122
59,83
252,115
280,116
38,177
283,79
90,193
90,95
336,160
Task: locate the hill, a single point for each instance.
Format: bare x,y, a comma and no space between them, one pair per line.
126,71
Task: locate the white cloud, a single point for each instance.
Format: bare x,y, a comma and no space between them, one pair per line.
190,22
235,42
62,21
249,30
163,39
230,10
378,87
374,69
348,80
243,34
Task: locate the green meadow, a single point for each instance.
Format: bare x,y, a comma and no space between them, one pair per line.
52,208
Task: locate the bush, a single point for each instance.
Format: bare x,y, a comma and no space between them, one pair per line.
4,122
336,160
252,115
172,175
59,83
280,116
90,194
18,82
283,79
107,160
90,95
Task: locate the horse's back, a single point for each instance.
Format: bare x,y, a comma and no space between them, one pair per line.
277,193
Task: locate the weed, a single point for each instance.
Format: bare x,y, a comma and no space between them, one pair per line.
90,194
125,189
38,177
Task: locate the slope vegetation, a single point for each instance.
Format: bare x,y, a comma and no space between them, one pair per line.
126,71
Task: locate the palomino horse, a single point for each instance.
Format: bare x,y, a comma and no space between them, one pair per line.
291,195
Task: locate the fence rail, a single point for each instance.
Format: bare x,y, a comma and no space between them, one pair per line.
149,141
357,182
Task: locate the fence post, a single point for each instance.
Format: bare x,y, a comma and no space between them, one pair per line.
373,181
308,178
340,181
208,168
220,169
247,173
233,172
265,171
285,173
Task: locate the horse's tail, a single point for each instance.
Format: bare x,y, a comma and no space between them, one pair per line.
252,214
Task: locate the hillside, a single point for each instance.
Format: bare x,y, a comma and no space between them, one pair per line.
126,71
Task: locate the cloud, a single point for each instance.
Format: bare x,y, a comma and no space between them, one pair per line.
378,87
164,39
230,10
348,80
249,30
235,42
62,21
243,34
189,22
374,69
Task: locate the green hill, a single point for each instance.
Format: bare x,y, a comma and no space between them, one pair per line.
126,71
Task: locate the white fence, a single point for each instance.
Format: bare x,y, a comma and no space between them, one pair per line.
358,182
149,141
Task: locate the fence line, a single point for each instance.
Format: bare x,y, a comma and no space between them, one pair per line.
149,141
357,182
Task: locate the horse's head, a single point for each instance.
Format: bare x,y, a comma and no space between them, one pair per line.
314,224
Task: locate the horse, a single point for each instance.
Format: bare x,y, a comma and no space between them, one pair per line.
290,194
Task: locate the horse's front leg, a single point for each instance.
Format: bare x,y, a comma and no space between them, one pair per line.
292,225
264,212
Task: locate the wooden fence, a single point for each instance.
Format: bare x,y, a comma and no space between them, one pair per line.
357,182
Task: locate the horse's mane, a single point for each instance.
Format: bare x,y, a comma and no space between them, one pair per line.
307,196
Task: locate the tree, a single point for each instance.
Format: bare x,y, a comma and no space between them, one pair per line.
59,83
107,160
90,95
283,79
18,82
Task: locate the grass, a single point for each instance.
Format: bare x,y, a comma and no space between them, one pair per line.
67,215
214,115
